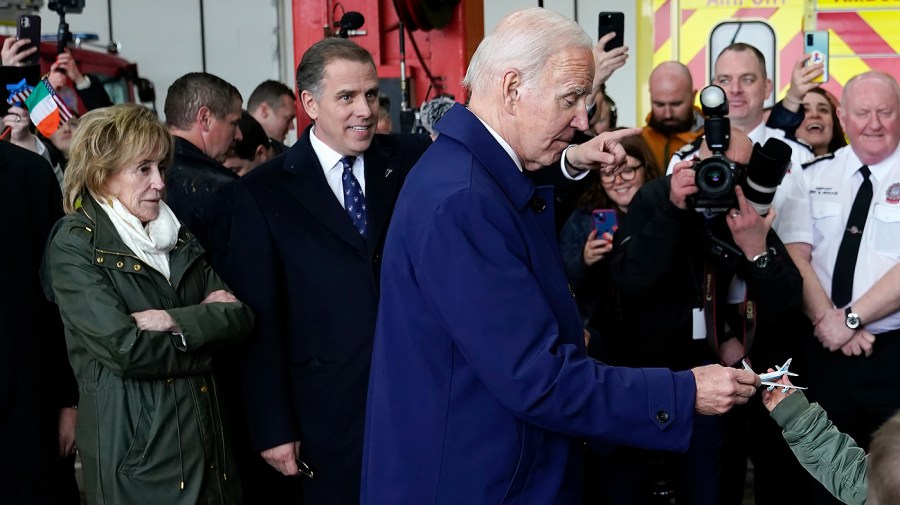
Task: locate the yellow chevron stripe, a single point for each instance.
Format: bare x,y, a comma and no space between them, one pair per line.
885,24
842,69
699,26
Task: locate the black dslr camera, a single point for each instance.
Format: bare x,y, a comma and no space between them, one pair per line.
717,175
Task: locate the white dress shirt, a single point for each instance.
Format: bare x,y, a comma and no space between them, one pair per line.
330,160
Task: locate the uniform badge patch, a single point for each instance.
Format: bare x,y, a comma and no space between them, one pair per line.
893,193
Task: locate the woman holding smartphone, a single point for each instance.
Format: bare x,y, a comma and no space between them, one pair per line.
582,248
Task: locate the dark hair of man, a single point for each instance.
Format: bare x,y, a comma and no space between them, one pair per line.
311,70
269,92
595,197
883,470
198,89
253,136
740,47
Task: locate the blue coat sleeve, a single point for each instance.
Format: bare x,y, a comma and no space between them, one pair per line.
481,270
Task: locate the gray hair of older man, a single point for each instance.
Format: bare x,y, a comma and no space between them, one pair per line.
525,40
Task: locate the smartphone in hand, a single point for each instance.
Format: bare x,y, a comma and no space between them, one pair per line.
605,221
815,44
29,27
612,22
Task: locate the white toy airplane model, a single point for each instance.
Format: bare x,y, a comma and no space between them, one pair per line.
767,379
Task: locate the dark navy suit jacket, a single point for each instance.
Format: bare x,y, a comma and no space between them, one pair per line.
312,281
480,389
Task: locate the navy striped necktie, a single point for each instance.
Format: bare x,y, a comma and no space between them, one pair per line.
354,201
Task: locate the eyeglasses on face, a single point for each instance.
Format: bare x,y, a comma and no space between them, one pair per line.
626,173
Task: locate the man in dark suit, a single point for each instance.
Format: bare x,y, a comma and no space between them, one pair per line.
307,234
38,392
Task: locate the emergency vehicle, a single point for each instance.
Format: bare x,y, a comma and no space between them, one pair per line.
863,36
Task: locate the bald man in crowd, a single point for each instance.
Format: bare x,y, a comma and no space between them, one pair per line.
674,121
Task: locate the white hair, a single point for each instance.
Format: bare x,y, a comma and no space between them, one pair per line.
870,75
523,41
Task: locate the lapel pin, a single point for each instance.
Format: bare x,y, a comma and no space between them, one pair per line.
388,172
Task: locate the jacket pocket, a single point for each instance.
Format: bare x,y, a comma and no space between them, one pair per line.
134,457
529,441
827,222
885,224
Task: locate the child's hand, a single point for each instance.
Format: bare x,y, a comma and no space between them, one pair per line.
771,399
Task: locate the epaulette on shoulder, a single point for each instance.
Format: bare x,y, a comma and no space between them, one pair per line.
688,149
826,156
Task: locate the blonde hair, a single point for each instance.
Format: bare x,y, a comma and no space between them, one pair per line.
108,140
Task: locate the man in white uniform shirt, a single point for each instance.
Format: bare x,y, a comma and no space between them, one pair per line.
841,224
740,70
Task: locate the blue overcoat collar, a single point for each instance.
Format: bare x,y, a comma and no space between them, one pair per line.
463,126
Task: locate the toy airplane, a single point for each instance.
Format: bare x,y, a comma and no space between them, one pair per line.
767,379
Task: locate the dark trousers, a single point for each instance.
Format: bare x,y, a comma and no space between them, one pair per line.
628,476
858,393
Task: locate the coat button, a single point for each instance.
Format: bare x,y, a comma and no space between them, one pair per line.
99,259
662,416
120,264
203,389
169,381
137,268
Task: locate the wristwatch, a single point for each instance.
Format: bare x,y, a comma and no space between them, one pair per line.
761,260
853,321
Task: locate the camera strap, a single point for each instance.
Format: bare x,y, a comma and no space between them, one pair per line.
747,312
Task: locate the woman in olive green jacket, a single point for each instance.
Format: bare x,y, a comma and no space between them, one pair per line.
142,310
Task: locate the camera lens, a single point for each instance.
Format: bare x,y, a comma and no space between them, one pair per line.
714,178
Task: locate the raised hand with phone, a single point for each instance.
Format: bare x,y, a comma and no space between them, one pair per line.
28,36
66,67
610,53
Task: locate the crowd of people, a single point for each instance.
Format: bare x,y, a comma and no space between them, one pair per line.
211,316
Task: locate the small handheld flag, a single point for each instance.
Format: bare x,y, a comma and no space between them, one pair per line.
46,108
18,92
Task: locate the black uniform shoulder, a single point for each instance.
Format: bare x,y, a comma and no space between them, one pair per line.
688,149
817,159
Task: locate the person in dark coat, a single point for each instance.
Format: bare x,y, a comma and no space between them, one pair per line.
481,391
38,392
203,112
311,272
143,310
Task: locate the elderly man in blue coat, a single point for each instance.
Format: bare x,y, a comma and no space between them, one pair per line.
480,390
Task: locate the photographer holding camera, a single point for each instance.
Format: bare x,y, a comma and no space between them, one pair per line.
740,70
699,273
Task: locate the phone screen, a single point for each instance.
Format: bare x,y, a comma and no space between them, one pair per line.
605,221
612,22
29,27
815,44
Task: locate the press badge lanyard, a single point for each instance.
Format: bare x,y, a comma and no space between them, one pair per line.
747,312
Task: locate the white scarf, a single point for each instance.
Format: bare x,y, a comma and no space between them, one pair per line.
150,243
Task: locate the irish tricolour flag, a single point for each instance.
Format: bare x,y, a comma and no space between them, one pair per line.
47,110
